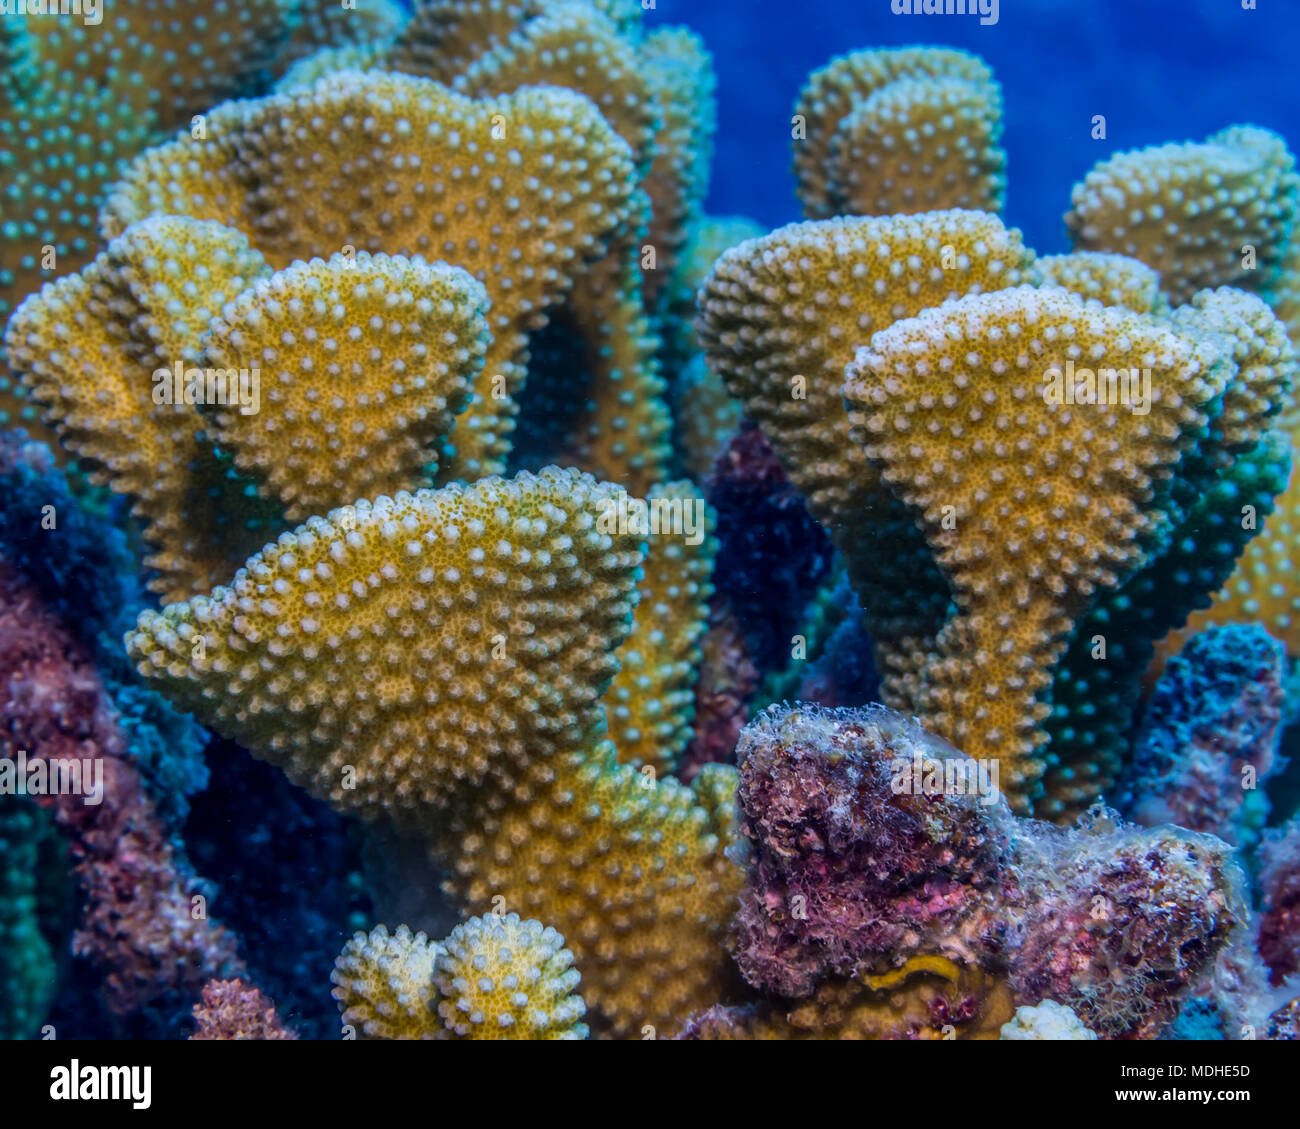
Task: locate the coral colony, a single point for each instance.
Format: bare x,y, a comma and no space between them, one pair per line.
433,547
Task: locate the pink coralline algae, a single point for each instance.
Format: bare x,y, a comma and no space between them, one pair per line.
1209,736
843,869
873,843
1279,884
139,922
1119,922
728,680
231,1009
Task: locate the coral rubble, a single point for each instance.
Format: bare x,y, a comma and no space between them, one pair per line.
878,852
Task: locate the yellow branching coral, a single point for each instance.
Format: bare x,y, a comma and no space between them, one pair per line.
571,44
173,276
636,85
680,72
594,397
1096,686
651,701
781,316
1286,291
187,55
1245,329
904,130
310,69
357,652
627,17
707,238
94,347
502,978
326,24
919,145
395,164
364,361
1218,213
445,36
1263,589
1114,280
494,977
383,984
332,380
623,432
631,869
62,141
1030,502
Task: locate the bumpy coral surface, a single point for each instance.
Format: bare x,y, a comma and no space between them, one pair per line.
499,977
1191,211
1262,589
634,871
59,148
212,352
914,129
390,345
383,984
650,702
79,96
706,416
519,232
378,625
91,347
781,317
233,46
509,795
954,408
1114,280
494,977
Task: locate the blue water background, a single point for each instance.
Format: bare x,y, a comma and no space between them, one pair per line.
1159,70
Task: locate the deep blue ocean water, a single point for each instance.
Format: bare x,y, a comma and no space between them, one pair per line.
1159,70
